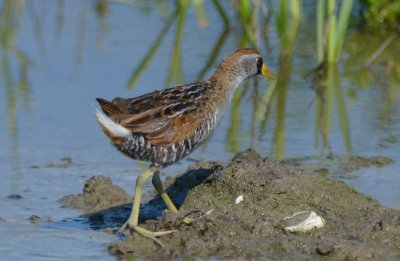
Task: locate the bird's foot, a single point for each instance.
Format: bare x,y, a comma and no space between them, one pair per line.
146,233
188,220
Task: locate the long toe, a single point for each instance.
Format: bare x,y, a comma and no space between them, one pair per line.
188,220
123,227
152,235
146,233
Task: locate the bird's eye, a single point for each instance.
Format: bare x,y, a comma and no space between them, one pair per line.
259,62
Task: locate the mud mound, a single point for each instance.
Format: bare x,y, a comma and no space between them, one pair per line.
357,227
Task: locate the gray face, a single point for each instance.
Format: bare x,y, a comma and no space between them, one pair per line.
251,65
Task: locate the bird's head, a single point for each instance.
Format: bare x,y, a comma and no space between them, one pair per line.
241,65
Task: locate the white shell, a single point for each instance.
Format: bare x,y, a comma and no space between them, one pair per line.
239,199
312,221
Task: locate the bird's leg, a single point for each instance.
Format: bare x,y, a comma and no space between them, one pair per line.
167,200
159,187
133,219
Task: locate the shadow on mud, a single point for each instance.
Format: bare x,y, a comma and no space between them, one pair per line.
99,192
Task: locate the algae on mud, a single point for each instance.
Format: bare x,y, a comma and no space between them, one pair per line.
357,227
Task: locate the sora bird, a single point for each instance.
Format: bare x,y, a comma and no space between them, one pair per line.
164,126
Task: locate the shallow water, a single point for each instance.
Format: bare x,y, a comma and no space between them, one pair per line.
57,56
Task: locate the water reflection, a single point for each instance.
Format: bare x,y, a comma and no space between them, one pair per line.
249,24
57,56
143,64
288,24
15,65
376,66
327,86
351,103
175,74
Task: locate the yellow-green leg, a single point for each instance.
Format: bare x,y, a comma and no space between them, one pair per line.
133,219
167,200
159,187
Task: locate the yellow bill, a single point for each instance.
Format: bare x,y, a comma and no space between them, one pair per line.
267,73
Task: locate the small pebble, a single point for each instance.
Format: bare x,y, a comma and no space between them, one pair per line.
325,249
34,219
14,196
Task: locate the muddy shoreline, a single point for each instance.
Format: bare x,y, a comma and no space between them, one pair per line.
357,227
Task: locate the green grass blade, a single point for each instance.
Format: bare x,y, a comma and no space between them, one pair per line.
222,13
341,106
343,21
234,128
320,30
175,72
214,54
201,14
329,96
144,63
331,30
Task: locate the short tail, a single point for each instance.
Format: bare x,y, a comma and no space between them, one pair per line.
112,129
110,108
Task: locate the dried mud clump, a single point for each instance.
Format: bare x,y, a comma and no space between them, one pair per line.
98,193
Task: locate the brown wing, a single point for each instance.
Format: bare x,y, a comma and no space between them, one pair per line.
163,117
162,128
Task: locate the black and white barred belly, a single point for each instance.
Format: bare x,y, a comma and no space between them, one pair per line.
137,147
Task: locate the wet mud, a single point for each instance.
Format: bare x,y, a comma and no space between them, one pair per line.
357,227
